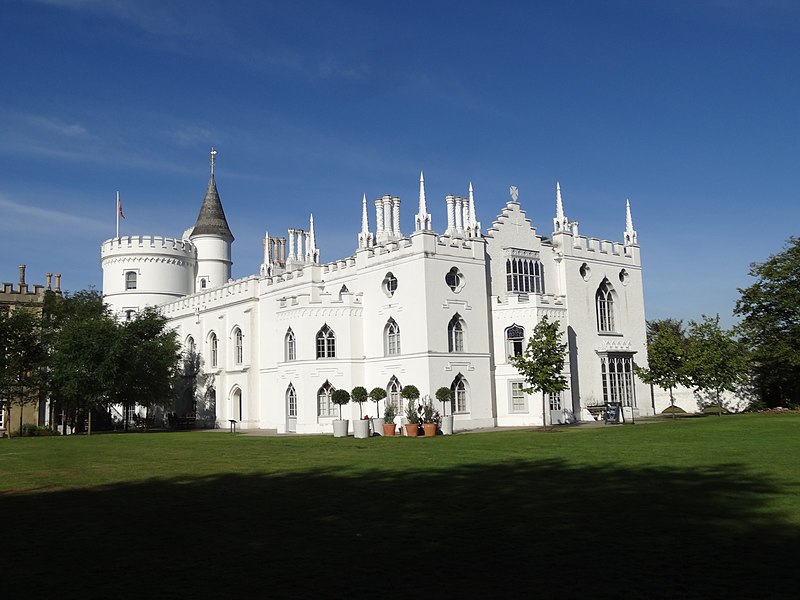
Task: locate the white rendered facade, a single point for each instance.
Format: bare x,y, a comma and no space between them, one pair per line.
426,309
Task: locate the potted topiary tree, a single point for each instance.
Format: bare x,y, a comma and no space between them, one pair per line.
340,398
430,417
376,395
445,396
389,413
410,393
360,427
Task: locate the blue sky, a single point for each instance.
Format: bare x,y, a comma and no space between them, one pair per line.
689,108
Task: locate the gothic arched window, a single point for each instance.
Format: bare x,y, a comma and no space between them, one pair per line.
605,307
291,401
130,280
291,347
515,340
391,338
326,343
238,346
393,393
325,406
459,392
214,349
455,334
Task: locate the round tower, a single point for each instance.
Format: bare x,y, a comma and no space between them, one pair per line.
212,239
146,270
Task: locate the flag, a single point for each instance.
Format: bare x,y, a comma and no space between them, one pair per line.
119,207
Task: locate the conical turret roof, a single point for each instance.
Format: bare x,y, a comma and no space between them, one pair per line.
211,220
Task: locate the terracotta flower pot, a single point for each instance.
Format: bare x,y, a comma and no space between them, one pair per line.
388,428
430,429
411,429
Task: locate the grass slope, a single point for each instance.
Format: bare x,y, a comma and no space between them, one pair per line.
692,507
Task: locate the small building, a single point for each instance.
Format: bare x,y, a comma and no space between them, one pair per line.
13,297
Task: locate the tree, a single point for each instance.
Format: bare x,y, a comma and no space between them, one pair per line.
148,359
359,395
190,387
21,361
83,364
377,394
770,311
716,361
340,398
542,362
445,396
411,394
666,356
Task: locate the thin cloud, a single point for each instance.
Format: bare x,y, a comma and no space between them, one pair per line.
39,215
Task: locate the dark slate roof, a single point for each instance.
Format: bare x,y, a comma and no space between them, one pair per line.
211,220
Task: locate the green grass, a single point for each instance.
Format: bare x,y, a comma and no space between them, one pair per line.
704,507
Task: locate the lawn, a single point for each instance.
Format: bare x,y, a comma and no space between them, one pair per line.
702,507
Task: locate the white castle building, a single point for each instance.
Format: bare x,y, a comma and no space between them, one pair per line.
429,309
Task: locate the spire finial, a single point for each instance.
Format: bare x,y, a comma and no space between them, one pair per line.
213,158
364,218
630,233
473,224
560,223
559,203
423,218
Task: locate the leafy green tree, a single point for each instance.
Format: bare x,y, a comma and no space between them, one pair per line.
190,385
64,318
716,361
445,396
21,361
666,356
359,395
148,356
770,311
542,362
340,398
410,393
377,394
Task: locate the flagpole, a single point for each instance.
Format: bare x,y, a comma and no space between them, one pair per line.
117,212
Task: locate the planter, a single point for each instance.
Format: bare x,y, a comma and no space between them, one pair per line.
447,425
340,428
389,429
377,426
430,429
360,429
411,429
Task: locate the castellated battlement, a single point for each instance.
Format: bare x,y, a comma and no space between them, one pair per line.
147,244
233,291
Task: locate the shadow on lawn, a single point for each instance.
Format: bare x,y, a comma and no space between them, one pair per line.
508,529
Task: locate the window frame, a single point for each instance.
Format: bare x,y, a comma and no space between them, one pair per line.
131,280
326,391
325,342
290,346
604,307
391,337
238,346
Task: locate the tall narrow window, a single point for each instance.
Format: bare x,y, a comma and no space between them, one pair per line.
130,280
325,406
190,345
515,340
455,334
392,338
236,401
617,372
326,343
605,307
214,350
518,403
291,401
238,342
393,396
459,391
291,351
